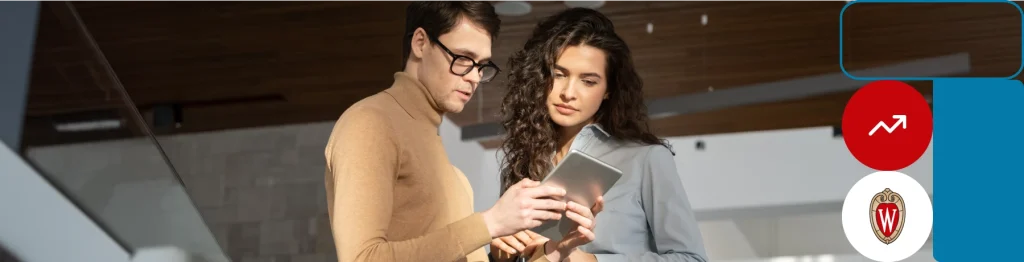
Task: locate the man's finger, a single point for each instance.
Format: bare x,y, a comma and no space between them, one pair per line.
530,249
542,215
548,204
514,243
527,183
504,247
544,192
523,238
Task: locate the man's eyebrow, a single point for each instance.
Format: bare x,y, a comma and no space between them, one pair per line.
470,54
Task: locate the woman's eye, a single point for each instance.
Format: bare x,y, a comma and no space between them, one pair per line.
590,83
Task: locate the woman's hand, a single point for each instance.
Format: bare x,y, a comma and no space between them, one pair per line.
522,243
583,234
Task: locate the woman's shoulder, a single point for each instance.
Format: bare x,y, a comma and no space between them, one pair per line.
647,150
644,153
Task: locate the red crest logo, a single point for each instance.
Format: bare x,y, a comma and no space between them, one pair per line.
888,213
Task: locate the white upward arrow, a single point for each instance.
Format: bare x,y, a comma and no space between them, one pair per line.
901,119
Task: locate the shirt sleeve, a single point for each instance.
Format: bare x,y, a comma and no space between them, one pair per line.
363,156
667,208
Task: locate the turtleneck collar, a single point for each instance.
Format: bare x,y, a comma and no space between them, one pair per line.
414,97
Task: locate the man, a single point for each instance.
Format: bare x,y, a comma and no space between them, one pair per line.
392,193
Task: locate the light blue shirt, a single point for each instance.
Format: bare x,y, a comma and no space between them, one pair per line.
647,215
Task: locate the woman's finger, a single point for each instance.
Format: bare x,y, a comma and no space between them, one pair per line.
587,234
579,219
580,209
598,206
535,236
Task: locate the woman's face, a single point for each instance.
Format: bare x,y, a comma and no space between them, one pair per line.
580,84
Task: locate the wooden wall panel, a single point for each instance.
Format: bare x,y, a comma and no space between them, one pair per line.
222,60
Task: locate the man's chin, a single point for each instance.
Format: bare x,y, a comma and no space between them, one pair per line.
454,107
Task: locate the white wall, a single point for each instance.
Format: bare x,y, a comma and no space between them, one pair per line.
466,156
41,224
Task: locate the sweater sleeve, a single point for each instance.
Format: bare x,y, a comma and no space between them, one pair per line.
363,156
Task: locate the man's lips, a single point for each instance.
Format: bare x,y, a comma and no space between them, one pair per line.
464,95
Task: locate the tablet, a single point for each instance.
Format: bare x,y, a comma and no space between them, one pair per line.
584,179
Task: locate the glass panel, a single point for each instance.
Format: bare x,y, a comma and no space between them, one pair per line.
86,135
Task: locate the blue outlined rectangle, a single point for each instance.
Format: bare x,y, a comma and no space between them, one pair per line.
843,67
977,173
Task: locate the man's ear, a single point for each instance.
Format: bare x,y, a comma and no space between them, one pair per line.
420,43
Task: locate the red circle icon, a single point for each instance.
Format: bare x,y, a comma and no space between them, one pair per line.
887,125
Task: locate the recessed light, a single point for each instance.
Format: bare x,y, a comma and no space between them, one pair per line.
88,125
585,4
513,8
704,19
650,28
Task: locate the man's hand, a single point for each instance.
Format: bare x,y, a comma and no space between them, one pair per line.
524,205
523,243
583,234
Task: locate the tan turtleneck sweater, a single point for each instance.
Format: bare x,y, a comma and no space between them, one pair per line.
392,194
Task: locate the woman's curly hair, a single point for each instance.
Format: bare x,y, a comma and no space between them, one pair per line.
531,135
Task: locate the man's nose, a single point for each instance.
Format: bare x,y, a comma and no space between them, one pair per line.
473,76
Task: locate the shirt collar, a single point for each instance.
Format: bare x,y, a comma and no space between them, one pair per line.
415,99
596,126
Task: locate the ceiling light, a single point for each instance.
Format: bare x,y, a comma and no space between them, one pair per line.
704,19
650,28
585,4
88,125
513,8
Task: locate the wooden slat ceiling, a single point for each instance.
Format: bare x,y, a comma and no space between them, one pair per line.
248,64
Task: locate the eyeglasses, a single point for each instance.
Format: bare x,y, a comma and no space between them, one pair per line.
462,65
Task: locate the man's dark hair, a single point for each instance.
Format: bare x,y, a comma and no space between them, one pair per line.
439,17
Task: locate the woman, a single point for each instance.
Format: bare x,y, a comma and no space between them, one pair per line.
573,87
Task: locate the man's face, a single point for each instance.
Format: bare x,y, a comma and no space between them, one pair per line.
450,91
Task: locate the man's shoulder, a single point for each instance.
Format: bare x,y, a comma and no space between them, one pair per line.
378,107
371,114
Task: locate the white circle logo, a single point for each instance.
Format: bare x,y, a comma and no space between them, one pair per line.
887,216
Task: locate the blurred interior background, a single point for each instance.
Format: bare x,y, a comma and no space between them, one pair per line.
201,125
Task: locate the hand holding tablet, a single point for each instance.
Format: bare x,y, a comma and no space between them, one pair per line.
585,180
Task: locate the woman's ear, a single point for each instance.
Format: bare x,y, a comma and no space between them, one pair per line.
420,43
